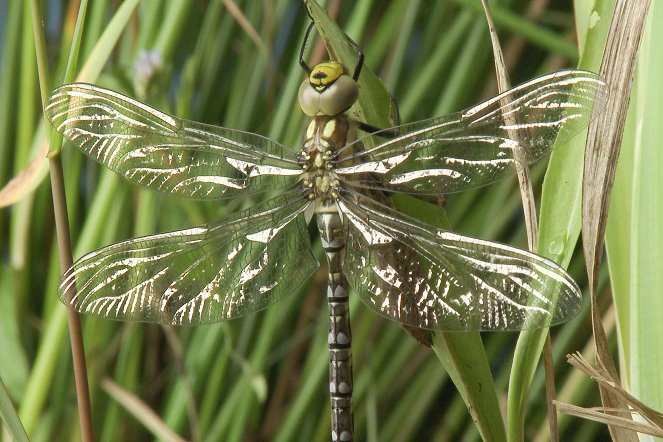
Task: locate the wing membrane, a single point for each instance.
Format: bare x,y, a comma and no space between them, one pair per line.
482,144
201,275
164,153
438,280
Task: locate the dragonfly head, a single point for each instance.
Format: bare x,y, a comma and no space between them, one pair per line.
328,90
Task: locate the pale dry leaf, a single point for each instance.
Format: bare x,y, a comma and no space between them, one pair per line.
27,180
602,376
603,145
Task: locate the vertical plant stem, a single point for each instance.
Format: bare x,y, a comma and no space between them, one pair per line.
75,332
64,242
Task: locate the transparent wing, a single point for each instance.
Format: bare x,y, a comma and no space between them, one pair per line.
201,275
437,280
164,153
480,145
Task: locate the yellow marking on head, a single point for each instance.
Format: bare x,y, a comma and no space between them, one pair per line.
329,129
324,74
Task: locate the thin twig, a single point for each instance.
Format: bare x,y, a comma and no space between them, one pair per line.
75,331
64,241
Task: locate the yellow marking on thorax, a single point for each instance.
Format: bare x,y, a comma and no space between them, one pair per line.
310,130
329,128
318,161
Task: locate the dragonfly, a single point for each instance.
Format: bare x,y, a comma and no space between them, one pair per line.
422,277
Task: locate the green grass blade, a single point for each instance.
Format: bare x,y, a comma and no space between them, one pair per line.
10,417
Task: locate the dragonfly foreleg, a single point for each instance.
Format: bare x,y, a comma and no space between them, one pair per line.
384,133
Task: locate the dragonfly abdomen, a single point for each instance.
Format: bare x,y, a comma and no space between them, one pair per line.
325,135
333,238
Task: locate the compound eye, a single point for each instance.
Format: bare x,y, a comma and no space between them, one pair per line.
309,99
328,90
333,100
339,96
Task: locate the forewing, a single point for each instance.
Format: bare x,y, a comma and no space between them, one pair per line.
164,153
437,280
482,144
202,275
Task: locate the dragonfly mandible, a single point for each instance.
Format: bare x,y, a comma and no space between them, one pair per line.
419,276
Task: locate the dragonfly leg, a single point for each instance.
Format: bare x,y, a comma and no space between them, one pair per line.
360,54
360,59
302,62
385,133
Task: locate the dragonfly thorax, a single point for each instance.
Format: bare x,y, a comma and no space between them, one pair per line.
329,90
324,136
